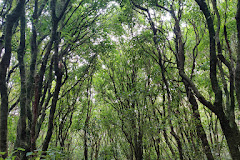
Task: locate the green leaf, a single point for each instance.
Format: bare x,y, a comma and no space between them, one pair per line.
13,158
20,149
29,154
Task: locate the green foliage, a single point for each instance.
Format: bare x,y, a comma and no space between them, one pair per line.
122,92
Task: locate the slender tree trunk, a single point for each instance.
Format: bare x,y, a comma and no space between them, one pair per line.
200,130
237,71
59,74
35,115
4,64
34,51
52,112
168,143
3,114
22,140
138,146
179,143
156,143
85,138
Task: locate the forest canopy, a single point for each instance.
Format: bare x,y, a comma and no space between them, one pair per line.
124,79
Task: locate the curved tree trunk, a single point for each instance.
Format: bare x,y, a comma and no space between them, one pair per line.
230,130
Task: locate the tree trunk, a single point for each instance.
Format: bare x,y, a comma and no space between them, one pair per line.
4,64
52,112
59,74
85,138
30,82
237,71
138,146
22,140
4,114
231,132
200,130
232,135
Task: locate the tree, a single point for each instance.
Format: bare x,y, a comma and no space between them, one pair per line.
119,79
4,64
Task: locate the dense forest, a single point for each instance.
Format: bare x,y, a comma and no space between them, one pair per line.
124,79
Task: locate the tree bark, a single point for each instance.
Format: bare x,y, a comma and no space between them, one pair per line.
22,140
85,138
237,71
58,73
52,110
198,124
4,64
